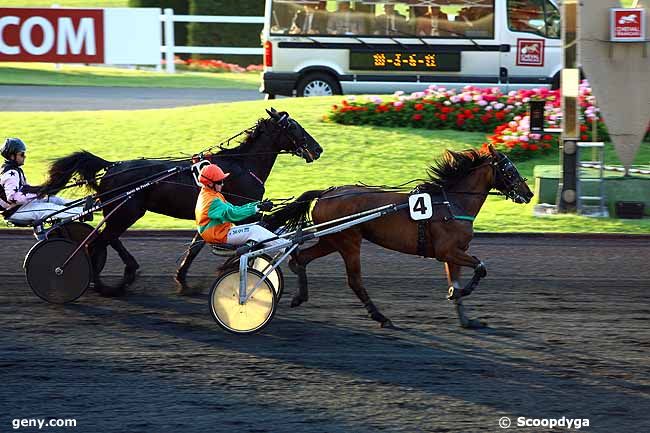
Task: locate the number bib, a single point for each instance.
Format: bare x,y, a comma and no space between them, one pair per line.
420,206
196,170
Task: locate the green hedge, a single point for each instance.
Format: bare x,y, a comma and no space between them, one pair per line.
226,35
180,7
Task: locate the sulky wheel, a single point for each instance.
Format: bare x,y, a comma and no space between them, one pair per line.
77,232
246,318
263,263
47,276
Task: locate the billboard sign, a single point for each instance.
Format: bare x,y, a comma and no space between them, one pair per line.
62,35
627,25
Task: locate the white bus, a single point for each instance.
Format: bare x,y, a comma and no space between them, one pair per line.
317,48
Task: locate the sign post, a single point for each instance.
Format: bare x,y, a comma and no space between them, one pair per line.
570,81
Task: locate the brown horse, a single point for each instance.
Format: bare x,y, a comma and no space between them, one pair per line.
458,184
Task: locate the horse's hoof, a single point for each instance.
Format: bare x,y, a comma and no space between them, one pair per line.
474,324
297,300
387,324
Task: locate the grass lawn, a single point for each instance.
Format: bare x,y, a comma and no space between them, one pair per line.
352,154
75,75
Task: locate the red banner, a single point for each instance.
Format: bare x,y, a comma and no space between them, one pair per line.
52,35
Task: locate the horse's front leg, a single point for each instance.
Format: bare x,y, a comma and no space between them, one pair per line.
461,258
453,277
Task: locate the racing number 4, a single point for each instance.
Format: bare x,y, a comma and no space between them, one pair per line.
420,206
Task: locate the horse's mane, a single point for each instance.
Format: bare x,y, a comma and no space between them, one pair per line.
251,135
451,167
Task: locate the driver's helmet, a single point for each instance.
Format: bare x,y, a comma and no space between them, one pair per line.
211,174
12,146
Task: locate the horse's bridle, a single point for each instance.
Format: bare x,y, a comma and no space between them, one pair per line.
506,173
300,149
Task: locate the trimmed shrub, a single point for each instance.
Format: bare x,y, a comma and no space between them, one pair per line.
226,35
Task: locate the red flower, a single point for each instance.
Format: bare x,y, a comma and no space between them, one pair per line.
499,115
533,147
443,117
459,121
419,107
583,128
547,137
583,137
446,109
417,117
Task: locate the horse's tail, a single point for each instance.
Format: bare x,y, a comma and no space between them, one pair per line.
83,163
294,214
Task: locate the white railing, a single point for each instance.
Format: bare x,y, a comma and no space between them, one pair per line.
169,49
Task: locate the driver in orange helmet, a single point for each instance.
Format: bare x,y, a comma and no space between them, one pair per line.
215,216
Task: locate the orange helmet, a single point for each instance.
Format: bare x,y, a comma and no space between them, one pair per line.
211,174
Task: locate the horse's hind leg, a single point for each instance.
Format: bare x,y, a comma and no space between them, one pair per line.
131,265
298,265
181,273
116,225
453,278
351,253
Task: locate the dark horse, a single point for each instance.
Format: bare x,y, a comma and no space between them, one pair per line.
249,164
458,183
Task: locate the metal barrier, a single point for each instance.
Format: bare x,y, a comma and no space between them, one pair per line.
169,49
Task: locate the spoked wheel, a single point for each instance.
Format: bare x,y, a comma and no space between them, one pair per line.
77,232
47,276
246,318
263,263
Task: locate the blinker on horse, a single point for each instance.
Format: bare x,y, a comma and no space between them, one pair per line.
459,183
250,165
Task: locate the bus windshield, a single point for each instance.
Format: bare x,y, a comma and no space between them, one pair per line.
384,18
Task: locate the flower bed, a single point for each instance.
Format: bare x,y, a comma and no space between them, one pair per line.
211,65
473,109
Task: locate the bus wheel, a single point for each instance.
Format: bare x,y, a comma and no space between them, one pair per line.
555,83
318,85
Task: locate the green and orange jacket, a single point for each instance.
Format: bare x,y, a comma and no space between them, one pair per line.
214,215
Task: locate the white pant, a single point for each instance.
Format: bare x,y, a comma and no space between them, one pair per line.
41,208
238,235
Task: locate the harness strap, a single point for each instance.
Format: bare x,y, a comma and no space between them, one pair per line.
422,238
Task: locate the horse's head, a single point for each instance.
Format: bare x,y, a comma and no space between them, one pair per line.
507,178
293,137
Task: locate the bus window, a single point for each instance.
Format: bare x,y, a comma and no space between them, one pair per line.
526,16
450,19
553,25
458,19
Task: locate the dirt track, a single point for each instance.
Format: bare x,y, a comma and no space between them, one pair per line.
568,336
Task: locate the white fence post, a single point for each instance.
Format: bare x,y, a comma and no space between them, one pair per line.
168,19
170,67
